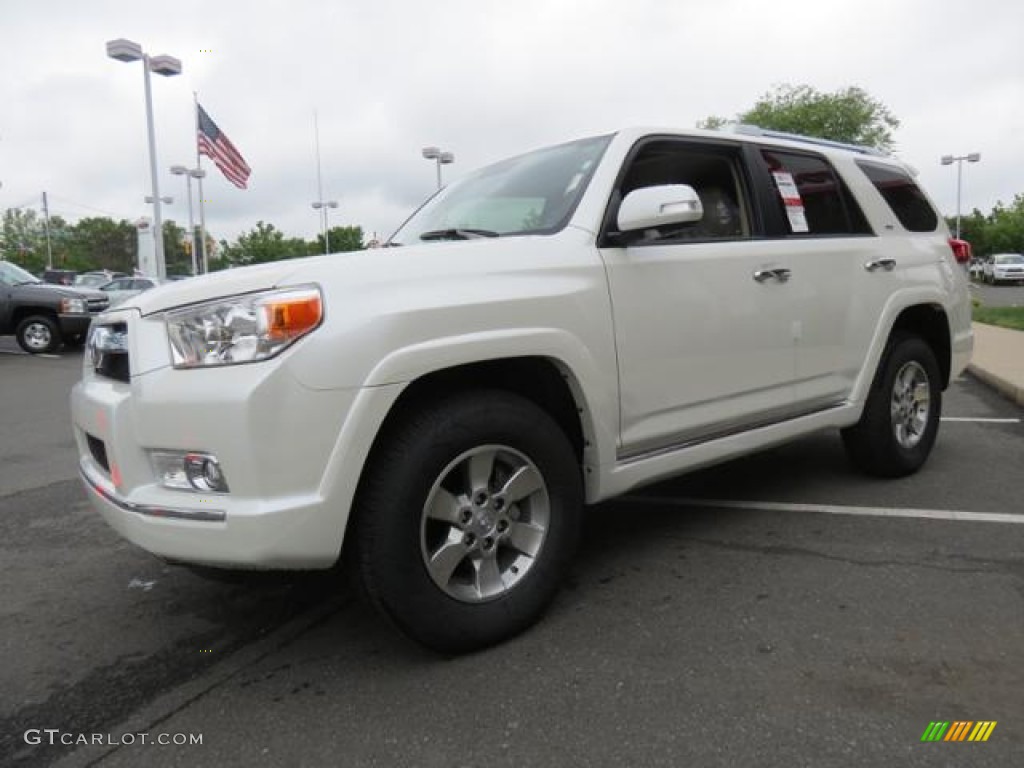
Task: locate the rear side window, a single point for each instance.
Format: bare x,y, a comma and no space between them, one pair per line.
812,197
903,196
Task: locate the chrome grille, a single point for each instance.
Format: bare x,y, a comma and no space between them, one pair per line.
98,305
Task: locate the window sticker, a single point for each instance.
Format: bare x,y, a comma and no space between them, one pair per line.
791,199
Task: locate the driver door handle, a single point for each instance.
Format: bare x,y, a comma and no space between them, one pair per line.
779,273
887,264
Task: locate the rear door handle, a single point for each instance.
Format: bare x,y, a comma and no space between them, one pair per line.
779,273
887,264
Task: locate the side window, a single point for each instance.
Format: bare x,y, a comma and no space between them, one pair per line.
812,197
713,172
903,196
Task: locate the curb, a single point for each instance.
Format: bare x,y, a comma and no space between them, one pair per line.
1003,386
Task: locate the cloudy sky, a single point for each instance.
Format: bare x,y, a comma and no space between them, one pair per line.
483,79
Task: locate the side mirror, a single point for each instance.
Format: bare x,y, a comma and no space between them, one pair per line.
657,206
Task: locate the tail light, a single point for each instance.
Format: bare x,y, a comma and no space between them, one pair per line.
961,250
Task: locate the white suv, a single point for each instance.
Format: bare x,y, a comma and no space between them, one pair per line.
547,332
1004,268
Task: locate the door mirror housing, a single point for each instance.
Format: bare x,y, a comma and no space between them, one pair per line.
658,206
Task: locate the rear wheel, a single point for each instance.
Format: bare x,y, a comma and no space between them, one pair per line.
897,430
467,520
38,334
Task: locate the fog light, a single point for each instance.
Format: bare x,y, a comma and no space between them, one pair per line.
204,473
189,471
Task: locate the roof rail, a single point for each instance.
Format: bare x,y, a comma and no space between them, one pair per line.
768,133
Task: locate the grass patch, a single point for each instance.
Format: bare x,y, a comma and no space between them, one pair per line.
1007,317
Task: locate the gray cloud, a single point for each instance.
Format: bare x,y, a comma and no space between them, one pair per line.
481,78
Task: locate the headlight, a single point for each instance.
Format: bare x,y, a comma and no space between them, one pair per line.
74,306
242,329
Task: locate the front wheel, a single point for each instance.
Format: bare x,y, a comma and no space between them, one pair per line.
38,334
901,417
467,520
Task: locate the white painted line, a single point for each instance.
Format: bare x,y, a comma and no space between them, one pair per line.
49,357
981,420
831,509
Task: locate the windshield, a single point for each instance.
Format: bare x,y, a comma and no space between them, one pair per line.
1011,258
12,274
534,193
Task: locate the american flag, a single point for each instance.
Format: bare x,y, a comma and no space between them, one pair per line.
215,145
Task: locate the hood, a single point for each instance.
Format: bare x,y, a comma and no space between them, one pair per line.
195,290
64,291
434,264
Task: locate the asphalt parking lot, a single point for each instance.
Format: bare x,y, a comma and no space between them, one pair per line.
777,610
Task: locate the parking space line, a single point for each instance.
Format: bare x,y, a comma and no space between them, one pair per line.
981,420
830,509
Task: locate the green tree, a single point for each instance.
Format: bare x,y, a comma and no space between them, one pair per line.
974,229
177,258
23,240
97,242
261,244
848,114
1005,231
340,239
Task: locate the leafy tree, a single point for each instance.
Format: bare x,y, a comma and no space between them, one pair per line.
974,229
848,114
340,239
177,258
23,240
98,242
262,244
1005,230
712,123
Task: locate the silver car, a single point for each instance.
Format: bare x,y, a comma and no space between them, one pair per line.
123,288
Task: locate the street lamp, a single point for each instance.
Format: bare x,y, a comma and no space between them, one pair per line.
973,157
189,174
322,206
126,50
441,158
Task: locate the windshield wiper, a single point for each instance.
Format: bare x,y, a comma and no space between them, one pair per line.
457,234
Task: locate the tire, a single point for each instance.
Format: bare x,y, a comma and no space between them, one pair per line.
467,519
38,334
900,422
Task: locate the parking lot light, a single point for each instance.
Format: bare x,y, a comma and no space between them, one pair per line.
128,51
440,158
972,157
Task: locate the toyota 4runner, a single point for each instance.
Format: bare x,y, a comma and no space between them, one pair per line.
545,333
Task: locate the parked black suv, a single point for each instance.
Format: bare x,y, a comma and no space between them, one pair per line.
43,316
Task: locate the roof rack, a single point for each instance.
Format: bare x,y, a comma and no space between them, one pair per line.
756,130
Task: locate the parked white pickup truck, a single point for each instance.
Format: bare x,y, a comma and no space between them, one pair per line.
545,333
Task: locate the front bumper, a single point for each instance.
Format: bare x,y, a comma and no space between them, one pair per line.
292,456
74,325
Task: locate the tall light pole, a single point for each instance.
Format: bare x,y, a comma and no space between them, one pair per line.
126,50
322,206
189,174
441,158
973,157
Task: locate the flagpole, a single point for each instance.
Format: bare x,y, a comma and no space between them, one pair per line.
202,203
